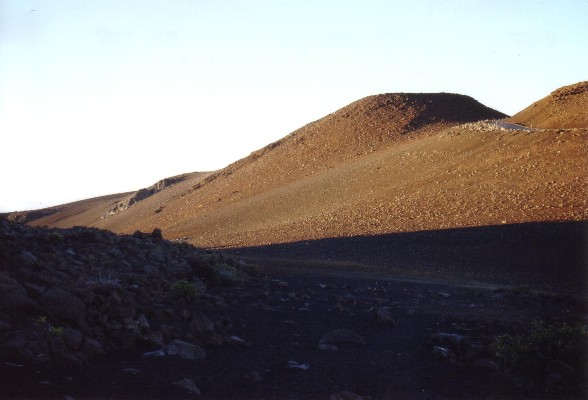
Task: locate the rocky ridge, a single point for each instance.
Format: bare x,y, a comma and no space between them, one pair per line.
144,193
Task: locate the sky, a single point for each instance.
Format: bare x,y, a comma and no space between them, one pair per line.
109,96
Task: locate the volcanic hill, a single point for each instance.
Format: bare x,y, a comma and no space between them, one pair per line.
359,129
383,164
564,108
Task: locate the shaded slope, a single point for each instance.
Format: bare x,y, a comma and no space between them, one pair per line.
564,108
548,256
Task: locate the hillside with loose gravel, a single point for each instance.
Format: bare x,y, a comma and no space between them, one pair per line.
564,108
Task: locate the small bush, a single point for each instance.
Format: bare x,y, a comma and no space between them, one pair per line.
46,331
530,355
214,271
184,290
252,270
56,331
54,237
228,275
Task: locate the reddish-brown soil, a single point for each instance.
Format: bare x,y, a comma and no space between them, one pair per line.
384,164
566,107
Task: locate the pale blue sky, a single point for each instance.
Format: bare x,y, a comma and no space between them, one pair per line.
107,96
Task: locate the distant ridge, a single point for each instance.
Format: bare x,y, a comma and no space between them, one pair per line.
564,108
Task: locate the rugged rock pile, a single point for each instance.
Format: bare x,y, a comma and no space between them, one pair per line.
69,295
142,194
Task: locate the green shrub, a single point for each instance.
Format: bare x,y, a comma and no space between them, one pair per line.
54,237
44,329
214,271
41,320
529,355
184,290
56,331
228,275
252,270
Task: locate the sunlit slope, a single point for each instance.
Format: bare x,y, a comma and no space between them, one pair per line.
386,163
457,178
366,126
564,108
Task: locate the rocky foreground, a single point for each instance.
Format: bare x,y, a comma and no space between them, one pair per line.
86,313
68,296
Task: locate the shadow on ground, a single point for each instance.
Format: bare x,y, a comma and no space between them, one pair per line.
541,255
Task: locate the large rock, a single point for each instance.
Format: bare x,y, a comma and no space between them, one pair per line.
185,350
91,347
63,305
15,299
384,315
188,385
72,338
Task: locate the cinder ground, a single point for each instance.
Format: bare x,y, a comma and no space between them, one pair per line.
283,317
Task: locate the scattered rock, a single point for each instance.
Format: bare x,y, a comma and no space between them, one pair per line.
327,346
72,338
460,346
63,305
345,396
16,301
28,258
441,352
92,347
384,315
132,371
156,353
140,235
185,350
253,375
236,340
297,365
458,343
486,363
4,326
154,338
156,234
567,372
553,381
188,385
340,336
